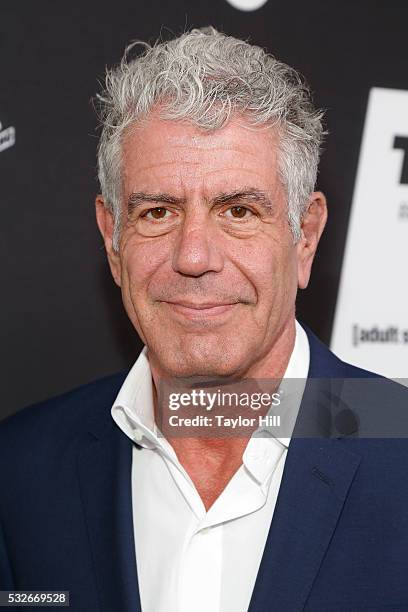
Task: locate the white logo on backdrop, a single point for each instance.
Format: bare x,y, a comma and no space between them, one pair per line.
7,137
247,5
371,321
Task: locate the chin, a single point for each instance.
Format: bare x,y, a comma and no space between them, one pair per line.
209,358
203,369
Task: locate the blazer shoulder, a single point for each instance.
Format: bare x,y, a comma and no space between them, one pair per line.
325,364
60,417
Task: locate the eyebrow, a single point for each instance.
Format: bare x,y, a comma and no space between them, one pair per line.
246,196
249,195
138,197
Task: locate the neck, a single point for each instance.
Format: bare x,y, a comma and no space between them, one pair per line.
211,462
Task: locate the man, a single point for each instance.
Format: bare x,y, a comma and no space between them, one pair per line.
207,164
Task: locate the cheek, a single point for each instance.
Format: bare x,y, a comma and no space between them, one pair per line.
141,261
272,271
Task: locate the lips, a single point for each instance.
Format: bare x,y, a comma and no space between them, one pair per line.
194,310
201,306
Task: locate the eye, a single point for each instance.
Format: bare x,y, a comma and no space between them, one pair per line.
157,213
238,212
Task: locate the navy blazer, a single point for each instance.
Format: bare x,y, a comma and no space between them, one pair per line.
338,540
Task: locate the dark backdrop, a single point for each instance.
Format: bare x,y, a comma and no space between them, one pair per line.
62,322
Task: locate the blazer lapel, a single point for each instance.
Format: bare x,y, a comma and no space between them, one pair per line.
316,480
104,469
317,477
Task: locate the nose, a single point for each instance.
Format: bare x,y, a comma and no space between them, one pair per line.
198,247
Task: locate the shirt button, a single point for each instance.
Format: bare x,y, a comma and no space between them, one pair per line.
138,436
205,530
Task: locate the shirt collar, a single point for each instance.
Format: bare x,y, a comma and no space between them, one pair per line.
291,389
133,409
265,447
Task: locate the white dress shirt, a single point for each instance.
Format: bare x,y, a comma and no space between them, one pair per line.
188,559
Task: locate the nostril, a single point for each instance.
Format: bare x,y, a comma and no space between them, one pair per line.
196,253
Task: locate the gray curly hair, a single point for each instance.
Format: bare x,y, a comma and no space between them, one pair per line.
205,76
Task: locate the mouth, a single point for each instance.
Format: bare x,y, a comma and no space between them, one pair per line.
200,311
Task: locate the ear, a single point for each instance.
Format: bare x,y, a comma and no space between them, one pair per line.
312,228
104,219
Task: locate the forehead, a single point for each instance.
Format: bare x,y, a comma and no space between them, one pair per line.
182,156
